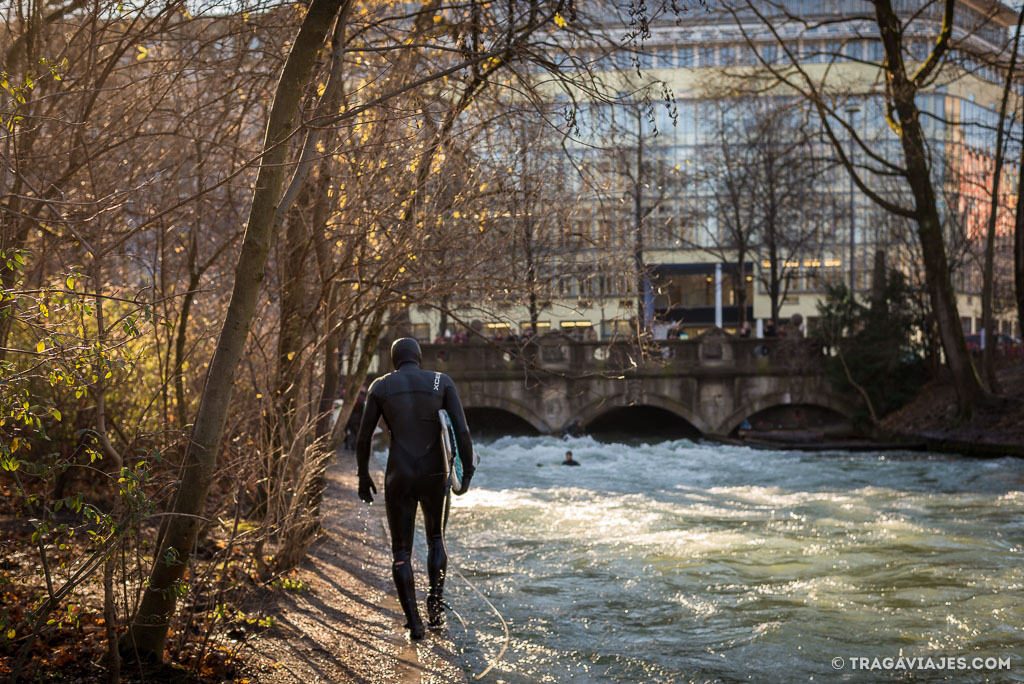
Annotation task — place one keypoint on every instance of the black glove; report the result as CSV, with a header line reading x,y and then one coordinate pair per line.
x,y
365,487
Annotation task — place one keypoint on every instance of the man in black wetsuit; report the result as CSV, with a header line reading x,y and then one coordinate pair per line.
x,y
409,399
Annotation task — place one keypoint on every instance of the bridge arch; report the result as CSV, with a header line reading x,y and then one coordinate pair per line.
x,y
595,409
814,399
510,406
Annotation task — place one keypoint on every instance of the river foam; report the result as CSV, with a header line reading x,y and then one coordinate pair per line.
x,y
688,561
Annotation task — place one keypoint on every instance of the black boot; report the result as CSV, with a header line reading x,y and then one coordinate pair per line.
x,y
401,571
435,611
437,566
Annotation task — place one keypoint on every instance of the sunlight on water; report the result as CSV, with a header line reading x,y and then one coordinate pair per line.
x,y
679,562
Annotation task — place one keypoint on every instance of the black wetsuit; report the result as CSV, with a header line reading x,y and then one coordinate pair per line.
x,y
409,399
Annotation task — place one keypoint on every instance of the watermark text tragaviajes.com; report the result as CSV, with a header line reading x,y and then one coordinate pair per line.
x,y
916,663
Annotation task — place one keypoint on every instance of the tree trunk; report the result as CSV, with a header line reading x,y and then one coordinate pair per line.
x,y
13,236
531,277
879,279
638,237
292,323
740,287
988,357
332,330
113,658
148,633
442,324
774,288
929,228
332,377
1018,249
357,377
179,350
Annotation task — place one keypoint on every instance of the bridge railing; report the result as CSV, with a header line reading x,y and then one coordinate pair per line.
x,y
708,354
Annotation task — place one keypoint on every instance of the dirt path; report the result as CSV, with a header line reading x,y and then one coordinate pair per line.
x,y
346,625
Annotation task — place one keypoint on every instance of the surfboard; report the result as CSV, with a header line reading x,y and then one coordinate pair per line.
x,y
452,462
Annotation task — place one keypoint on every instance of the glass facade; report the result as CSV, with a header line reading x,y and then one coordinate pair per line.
x,y
642,169
659,159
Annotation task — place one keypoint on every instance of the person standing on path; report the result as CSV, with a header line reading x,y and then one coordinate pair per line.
x,y
409,399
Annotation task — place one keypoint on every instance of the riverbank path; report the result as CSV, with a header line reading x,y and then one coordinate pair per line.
x,y
346,625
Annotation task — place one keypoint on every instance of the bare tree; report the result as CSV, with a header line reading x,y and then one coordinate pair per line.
x,y
988,275
769,194
148,633
904,78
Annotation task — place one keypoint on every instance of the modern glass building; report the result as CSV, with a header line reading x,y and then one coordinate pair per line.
x,y
670,175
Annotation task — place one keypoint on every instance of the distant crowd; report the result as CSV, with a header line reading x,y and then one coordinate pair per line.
x,y
582,334
792,327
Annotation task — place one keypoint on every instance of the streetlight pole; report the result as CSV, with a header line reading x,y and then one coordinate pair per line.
x,y
852,110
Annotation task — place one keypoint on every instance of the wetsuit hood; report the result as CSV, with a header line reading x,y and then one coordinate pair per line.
x,y
406,350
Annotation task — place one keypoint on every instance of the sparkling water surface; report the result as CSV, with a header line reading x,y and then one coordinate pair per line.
x,y
683,561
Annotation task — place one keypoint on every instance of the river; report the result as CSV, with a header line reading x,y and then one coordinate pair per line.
x,y
682,561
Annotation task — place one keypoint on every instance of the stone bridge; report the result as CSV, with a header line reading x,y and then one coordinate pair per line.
x,y
713,382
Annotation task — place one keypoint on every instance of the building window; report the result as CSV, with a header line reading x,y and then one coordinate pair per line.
x,y
814,52
921,50
610,329
497,330
542,327
579,330
694,290
421,331
875,51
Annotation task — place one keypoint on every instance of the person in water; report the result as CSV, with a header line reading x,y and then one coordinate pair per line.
x,y
569,460
409,399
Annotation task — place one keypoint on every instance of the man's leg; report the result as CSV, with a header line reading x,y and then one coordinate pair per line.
x,y
437,556
402,521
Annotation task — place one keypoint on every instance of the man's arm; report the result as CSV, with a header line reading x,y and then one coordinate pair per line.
x,y
462,437
371,414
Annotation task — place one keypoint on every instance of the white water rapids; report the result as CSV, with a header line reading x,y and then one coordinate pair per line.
x,y
682,561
